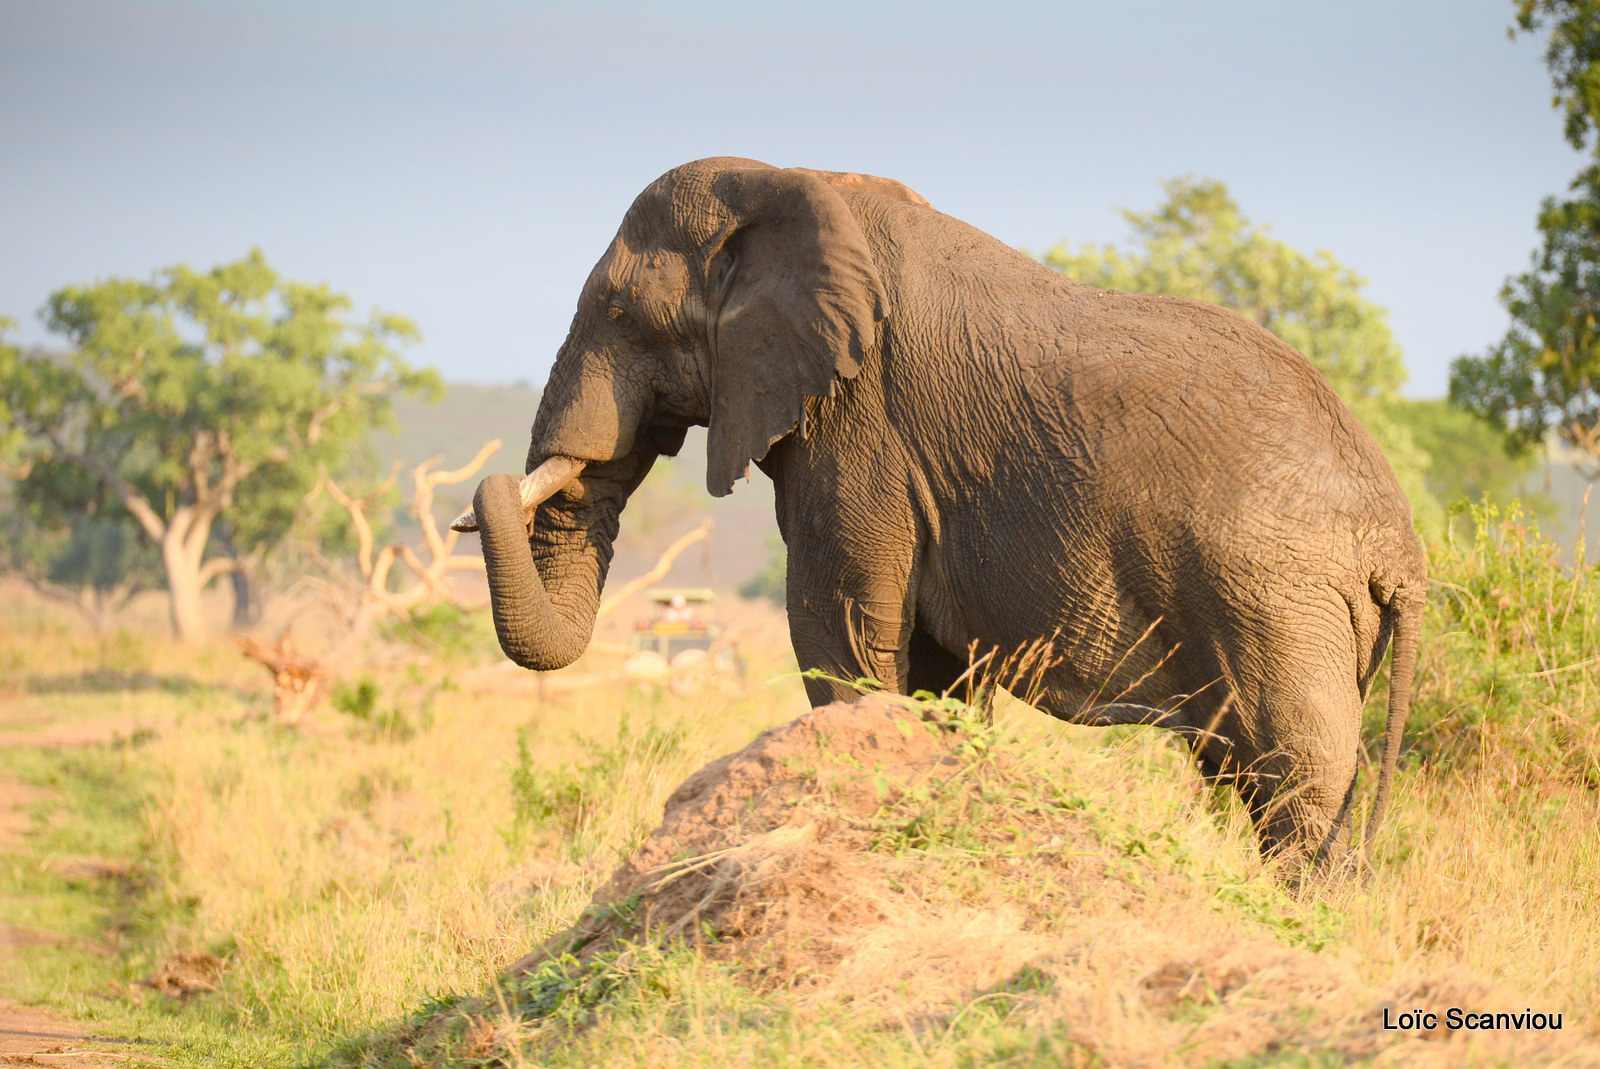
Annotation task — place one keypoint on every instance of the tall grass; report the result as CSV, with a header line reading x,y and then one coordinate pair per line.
x,y
380,864
1491,860
1511,666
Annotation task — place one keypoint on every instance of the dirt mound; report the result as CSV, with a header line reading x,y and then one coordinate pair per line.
x,y
872,860
759,845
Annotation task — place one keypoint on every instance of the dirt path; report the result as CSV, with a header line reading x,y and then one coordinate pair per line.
x,y
30,1035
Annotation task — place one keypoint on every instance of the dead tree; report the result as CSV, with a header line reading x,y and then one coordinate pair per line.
x,y
300,682
374,599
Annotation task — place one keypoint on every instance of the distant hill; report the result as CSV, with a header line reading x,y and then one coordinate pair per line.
x,y
465,418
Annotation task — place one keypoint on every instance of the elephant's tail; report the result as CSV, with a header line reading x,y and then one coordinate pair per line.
x,y
1405,611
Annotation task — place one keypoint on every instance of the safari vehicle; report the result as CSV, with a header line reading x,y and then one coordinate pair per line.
x,y
683,630
683,620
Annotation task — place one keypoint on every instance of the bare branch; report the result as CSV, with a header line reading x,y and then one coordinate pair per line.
x,y
466,471
1587,439
361,608
357,508
430,576
218,566
426,482
95,605
663,566
318,417
299,682
328,411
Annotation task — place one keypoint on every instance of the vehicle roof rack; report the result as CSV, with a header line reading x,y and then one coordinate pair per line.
x,y
663,595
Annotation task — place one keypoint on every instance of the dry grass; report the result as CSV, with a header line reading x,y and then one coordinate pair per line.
x,y
376,870
863,887
1075,896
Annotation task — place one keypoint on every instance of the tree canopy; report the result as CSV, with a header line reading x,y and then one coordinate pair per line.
x,y
1572,55
1541,378
200,403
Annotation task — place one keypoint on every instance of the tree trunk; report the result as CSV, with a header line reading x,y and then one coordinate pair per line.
x,y
246,609
183,591
183,546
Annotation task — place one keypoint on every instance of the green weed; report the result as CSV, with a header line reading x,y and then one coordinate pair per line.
x,y
400,720
1508,668
570,800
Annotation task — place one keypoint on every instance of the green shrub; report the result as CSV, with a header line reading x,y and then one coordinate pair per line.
x,y
1508,665
358,699
400,721
441,628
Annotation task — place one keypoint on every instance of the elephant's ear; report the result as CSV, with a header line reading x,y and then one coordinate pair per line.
x,y
795,300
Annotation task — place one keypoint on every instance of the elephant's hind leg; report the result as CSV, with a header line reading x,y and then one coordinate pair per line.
x,y
1295,761
931,668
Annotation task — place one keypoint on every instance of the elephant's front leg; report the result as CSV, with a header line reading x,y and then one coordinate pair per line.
x,y
854,635
851,597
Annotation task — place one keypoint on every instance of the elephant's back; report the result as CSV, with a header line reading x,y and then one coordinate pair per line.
x,y
1216,415
1197,397
1152,424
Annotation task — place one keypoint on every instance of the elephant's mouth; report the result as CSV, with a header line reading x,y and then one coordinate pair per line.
x,y
535,488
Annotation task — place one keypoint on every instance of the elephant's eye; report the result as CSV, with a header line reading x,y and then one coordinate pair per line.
x,y
616,312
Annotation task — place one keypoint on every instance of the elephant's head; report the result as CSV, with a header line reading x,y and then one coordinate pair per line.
x,y
732,291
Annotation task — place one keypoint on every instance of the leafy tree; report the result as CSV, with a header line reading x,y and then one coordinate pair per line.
x,y
1572,55
1542,377
12,438
201,404
1199,244
95,564
1468,461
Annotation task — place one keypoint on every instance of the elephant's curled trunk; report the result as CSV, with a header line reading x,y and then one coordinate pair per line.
x,y
539,628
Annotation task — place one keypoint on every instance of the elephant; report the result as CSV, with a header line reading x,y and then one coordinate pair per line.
x,y
972,452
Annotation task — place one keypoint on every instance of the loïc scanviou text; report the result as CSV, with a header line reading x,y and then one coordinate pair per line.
x,y
1455,1019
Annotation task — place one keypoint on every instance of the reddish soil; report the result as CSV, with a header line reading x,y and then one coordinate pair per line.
x,y
30,1036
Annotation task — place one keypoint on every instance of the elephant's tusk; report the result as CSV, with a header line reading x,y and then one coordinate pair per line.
x,y
536,487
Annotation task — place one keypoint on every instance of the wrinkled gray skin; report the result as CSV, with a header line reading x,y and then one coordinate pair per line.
x,y
970,448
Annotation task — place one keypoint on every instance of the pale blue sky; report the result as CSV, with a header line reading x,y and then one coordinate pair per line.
x,y
465,164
